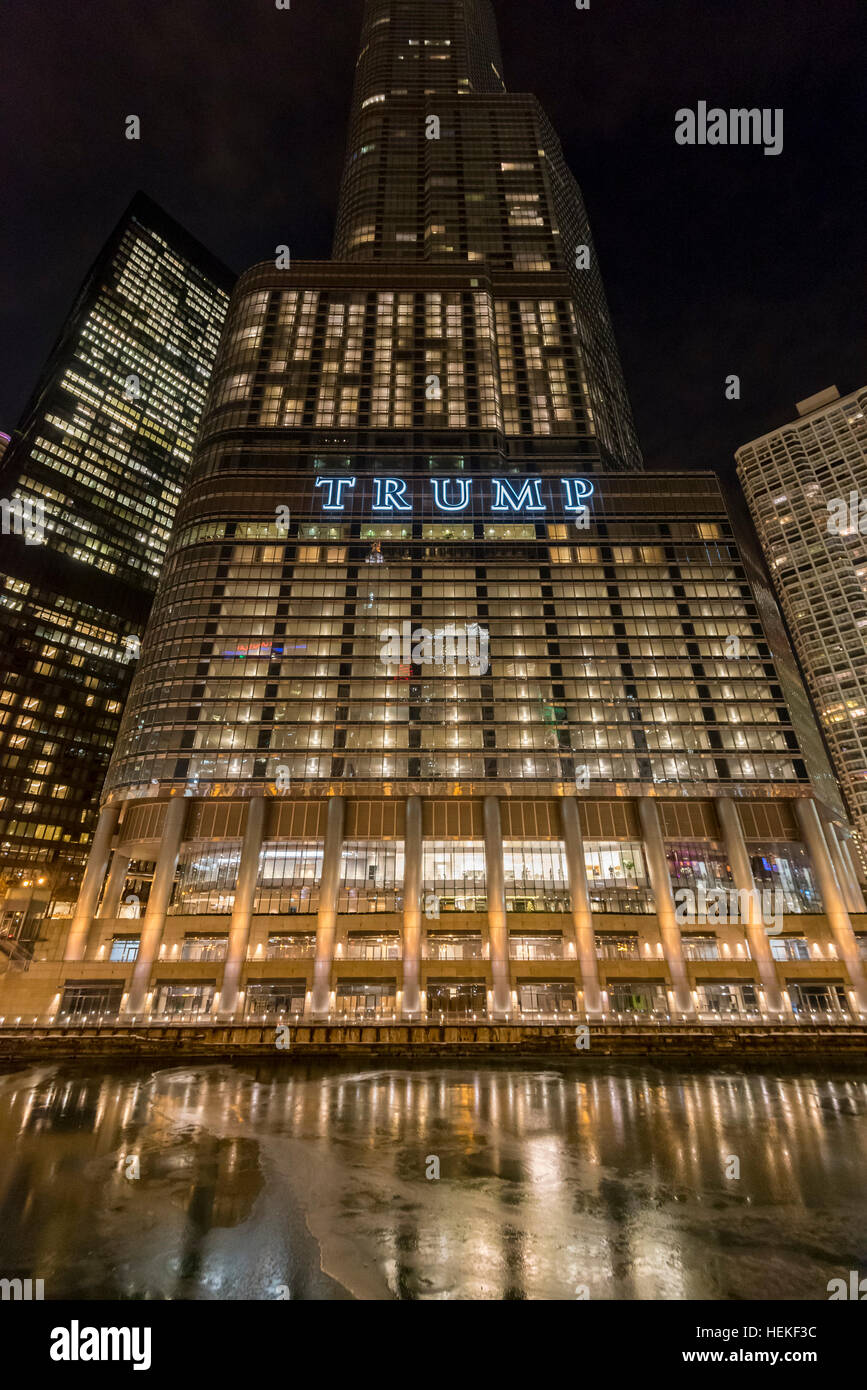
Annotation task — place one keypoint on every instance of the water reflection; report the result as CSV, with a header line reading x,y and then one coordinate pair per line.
x,y
233,1182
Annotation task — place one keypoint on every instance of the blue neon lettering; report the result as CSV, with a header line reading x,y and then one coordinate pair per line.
x,y
440,489
577,491
455,494
334,484
390,495
517,501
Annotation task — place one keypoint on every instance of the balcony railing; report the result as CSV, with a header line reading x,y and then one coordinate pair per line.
x,y
468,950
610,950
536,950
627,901
257,1012
693,951
704,1017
204,951
288,950
386,1013
516,901
456,1016
373,951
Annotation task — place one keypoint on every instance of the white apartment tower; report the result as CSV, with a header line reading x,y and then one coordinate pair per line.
x,y
806,485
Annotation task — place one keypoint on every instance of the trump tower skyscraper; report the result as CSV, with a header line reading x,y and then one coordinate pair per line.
x,y
447,710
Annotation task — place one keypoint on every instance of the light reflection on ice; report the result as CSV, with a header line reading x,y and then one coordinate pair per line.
x,y
609,1176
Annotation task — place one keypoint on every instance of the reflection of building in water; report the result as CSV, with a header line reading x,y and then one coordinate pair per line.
x,y
202,1182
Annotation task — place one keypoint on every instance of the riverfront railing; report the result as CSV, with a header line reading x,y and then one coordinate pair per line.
x,y
390,1017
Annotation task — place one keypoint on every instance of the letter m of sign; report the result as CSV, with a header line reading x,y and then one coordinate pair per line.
x,y
507,499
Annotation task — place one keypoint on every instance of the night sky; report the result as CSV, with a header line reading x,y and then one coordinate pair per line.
x,y
716,260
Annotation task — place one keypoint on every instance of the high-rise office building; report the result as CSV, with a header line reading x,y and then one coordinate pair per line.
x,y
806,485
90,483
445,709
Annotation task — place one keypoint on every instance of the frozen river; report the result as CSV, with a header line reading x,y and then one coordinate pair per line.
x,y
480,1181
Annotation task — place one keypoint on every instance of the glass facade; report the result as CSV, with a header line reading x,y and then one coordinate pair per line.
x,y
697,864
184,999
643,998
446,170
546,998
456,999
205,880
289,876
697,947
724,1000
612,945
101,453
454,877
124,949
607,661
617,877
291,946
372,877
786,869
536,946
203,947
268,999
366,999
454,946
536,877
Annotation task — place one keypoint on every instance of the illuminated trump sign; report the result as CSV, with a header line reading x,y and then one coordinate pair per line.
x,y
452,496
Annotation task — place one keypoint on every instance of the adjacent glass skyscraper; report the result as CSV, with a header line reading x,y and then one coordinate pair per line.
x,y
90,483
442,699
806,485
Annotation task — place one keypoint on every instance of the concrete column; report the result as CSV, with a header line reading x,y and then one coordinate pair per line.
x,y
660,882
94,876
110,901
498,927
111,898
739,859
242,912
329,896
848,882
582,917
832,896
412,893
154,920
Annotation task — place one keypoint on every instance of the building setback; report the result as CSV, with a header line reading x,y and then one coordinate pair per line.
x,y
90,483
806,485
427,441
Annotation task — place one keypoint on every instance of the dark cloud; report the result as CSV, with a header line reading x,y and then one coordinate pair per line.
x,y
716,261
